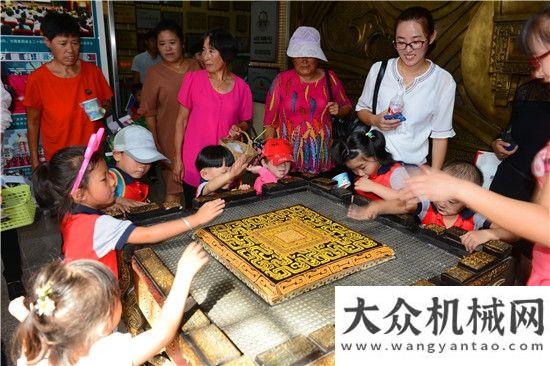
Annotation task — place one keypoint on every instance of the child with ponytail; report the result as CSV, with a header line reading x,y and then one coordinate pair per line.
x,y
77,185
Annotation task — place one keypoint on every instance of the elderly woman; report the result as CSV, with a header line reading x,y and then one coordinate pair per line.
x,y
159,102
214,103
55,90
298,107
428,92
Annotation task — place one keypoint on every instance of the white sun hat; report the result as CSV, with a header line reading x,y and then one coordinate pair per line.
x,y
305,42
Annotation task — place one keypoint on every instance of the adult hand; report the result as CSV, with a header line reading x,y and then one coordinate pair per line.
x,y
385,124
499,147
178,171
209,211
34,163
432,185
234,132
472,239
192,260
333,108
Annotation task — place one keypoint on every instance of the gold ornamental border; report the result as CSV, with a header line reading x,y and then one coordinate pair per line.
x,y
273,291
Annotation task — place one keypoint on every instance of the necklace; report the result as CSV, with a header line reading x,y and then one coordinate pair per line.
x,y
222,81
176,67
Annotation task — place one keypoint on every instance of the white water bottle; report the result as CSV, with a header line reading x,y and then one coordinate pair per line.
x,y
396,104
395,111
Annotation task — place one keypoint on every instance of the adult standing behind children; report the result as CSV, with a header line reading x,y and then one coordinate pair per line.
x,y
299,107
159,101
214,103
143,61
427,90
55,90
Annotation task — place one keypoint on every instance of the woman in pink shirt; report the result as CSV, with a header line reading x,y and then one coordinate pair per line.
x,y
214,103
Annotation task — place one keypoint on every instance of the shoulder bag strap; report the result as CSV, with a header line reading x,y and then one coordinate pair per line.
x,y
379,78
327,79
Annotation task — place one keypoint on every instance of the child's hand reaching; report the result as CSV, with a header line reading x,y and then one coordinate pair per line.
x,y
364,184
209,211
192,259
368,212
473,239
255,169
125,204
243,187
239,166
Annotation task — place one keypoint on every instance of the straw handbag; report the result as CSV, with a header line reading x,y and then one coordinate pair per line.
x,y
238,148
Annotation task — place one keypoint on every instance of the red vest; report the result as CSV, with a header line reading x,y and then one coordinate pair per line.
x,y
465,219
127,187
383,177
77,231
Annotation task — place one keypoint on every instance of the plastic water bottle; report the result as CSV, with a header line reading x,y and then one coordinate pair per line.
x,y
396,104
395,111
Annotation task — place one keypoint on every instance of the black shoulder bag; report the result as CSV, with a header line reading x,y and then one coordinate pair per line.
x,y
341,126
344,126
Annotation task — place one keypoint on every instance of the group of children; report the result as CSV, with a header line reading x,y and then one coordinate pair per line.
x,y
48,313
77,184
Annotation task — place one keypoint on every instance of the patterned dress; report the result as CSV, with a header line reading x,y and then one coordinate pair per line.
x,y
296,110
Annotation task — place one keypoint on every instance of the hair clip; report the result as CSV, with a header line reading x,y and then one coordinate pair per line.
x,y
93,145
369,134
44,304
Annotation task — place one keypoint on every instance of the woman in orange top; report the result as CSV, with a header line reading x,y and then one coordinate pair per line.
x,y
55,90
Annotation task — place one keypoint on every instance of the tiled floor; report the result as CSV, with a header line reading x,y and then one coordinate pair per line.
x,y
40,244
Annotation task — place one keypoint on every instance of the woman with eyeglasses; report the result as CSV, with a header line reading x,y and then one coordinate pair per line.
x,y
428,92
528,220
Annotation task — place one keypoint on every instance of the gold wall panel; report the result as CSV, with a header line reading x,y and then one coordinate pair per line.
x,y
476,43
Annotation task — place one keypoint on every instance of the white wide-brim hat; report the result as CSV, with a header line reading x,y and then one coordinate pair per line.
x,y
306,42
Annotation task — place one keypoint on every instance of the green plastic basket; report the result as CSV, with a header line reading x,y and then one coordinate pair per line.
x,y
18,207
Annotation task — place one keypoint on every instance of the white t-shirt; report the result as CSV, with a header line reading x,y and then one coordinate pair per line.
x,y
113,349
428,108
142,62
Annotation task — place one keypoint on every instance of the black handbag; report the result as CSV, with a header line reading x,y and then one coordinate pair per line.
x,y
341,126
345,126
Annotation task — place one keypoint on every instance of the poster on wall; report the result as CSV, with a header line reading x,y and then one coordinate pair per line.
x,y
23,51
264,31
260,80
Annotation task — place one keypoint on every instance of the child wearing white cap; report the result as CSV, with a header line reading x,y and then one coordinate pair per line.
x,y
134,150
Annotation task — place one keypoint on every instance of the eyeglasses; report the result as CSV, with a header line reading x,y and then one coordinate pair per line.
x,y
536,61
93,145
415,45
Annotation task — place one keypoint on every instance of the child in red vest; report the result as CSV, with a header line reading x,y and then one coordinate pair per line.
x,y
133,150
276,162
453,212
77,185
378,175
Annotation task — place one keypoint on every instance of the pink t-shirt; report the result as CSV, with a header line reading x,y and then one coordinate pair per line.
x,y
211,115
540,274
265,176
